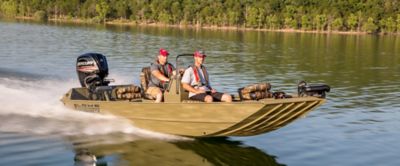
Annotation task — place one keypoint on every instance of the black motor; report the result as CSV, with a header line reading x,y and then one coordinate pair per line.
x,y
92,68
317,90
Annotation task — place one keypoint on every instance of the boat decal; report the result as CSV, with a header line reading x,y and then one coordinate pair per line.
x,y
95,108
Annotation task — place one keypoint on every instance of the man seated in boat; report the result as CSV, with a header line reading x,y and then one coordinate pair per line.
x,y
195,80
161,72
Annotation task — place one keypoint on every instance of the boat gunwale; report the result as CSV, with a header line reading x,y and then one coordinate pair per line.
x,y
235,102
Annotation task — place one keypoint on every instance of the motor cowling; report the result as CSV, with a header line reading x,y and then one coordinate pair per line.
x,y
92,69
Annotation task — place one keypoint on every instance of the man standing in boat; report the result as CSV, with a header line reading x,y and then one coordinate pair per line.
x,y
196,81
161,72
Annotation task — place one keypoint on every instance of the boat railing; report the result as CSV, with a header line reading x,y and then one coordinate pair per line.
x,y
178,76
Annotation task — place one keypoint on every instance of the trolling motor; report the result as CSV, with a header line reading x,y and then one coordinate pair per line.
x,y
317,90
92,68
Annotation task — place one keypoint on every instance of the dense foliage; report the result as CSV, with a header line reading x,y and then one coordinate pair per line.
x,y
320,15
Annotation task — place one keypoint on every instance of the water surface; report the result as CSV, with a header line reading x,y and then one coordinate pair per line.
x,y
359,124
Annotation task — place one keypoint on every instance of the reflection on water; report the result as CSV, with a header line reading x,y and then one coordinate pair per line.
x,y
210,151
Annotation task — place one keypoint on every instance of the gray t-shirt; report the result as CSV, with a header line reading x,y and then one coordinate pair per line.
x,y
190,78
154,81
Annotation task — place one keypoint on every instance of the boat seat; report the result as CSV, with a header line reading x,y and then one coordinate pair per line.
x,y
127,92
255,91
144,82
145,78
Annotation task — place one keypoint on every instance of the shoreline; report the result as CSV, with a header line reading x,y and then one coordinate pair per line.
x,y
123,22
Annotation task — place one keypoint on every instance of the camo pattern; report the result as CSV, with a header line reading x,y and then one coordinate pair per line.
x,y
128,92
255,91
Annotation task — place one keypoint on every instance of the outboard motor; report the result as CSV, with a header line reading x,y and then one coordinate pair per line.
x,y
92,68
317,90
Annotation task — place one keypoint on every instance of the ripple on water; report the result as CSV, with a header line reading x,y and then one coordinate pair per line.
x,y
358,125
22,149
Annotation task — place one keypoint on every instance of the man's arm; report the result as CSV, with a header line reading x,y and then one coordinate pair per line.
x,y
189,88
158,75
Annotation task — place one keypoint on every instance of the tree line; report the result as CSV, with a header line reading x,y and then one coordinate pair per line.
x,y
318,15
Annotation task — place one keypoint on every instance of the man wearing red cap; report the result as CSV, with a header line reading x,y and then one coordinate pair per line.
x,y
161,72
195,80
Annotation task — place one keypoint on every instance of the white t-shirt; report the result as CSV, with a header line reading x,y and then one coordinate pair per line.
x,y
190,78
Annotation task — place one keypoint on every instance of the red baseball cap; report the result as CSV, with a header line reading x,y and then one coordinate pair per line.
x,y
163,52
199,54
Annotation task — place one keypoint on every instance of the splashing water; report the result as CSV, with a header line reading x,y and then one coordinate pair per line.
x,y
32,105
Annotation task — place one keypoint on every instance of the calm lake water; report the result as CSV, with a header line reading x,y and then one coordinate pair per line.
x,y
359,124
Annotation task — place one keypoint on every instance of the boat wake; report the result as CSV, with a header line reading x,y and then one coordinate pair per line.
x,y
31,104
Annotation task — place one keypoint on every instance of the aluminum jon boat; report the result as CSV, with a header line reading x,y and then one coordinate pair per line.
x,y
180,116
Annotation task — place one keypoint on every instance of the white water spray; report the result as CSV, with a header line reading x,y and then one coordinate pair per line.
x,y
33,106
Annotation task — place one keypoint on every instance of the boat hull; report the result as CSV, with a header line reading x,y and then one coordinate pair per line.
x,y
197,119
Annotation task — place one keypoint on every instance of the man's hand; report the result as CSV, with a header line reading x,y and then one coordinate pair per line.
x,y
200,90
189,88
160,76
166,79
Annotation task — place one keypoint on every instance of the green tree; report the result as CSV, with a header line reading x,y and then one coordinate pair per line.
x,y
290,23
102,9
62,8
305,23
398,23
146,14
21,9
337,24
390,25
352,22
370,26
320,22
122,8
252,17
290,11
359,19
134,8
40,15
233,18
272,22
155,9
164,17
9,8
89,9
189,11
205,15
261,17
382,26
176,12
305,14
